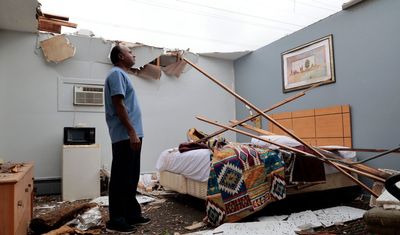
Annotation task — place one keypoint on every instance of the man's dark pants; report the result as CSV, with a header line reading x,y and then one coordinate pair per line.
x,y
125,171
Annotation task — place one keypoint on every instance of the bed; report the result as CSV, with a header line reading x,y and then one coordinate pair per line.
x,y
188,172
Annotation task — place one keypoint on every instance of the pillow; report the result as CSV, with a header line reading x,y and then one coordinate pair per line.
x,y
352,155
279,139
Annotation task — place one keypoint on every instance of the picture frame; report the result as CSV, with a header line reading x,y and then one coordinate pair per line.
x,y
308,64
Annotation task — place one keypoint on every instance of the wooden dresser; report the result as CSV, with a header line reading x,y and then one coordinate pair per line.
x,y
16,195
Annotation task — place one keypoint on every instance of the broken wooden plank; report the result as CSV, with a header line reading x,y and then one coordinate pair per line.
x,y
47,15
49,27
57,22
253,128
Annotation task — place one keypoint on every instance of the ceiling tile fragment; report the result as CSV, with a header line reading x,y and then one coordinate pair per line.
x,y
57,49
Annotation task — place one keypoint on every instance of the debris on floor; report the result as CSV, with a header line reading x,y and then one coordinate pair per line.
x,y
80,216
338,215
292,224
89,219
59,216
170,215
388,201
195,226
174,213
103,200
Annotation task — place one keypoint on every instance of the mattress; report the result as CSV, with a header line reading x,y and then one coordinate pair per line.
x,y
181,184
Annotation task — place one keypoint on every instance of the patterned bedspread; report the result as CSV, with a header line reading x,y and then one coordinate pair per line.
x,y
243,180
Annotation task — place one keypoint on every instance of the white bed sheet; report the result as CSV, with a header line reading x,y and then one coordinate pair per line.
x,y
194,164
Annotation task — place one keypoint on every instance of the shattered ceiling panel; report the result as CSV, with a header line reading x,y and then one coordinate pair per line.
x,y
57,49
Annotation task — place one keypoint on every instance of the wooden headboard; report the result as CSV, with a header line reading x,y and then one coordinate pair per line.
x,y
318,127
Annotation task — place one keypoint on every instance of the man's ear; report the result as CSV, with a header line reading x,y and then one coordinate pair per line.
x,y
120,56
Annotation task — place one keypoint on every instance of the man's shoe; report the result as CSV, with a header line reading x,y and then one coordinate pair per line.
x,y
139,221
119,226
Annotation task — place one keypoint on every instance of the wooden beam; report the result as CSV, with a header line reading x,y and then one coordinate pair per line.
x,y
253,128
57,22
47,15
350,3
49,27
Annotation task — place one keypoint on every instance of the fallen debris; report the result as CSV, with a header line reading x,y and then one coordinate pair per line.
x,y
388,201
255,228
10,167
56,218
174,214
103,200
305,219
338,214
297,223
195,226
89,219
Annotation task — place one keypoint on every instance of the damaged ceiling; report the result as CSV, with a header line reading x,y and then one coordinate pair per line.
x,y
231,28
203,26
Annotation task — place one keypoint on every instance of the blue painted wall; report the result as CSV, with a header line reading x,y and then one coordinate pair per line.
x,y
366,43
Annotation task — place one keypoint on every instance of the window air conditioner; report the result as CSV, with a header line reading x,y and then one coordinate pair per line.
x,y
89,95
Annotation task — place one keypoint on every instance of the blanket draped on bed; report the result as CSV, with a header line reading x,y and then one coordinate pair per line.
x,y
243,180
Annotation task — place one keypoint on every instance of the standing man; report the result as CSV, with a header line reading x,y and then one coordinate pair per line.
x,y
124,121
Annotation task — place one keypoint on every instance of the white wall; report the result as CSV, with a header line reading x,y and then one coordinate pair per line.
x,y
31,127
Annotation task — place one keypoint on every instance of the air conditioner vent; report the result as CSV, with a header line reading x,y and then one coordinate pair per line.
x,y
88,95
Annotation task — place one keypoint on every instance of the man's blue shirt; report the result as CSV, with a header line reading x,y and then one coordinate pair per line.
x,y
118,83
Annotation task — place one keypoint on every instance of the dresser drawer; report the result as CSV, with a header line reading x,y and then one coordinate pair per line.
x,y
23,201
16,194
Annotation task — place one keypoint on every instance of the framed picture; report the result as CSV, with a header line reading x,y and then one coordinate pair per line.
x,y
308,64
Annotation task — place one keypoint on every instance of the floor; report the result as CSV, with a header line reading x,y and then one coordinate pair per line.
x,y
173,213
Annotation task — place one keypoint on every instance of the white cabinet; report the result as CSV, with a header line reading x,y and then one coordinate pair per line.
x,y
81,172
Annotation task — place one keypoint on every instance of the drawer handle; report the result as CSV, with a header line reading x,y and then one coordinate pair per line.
x,y
19,203
26,190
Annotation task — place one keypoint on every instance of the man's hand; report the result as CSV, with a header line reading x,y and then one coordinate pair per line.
x,y
136,144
